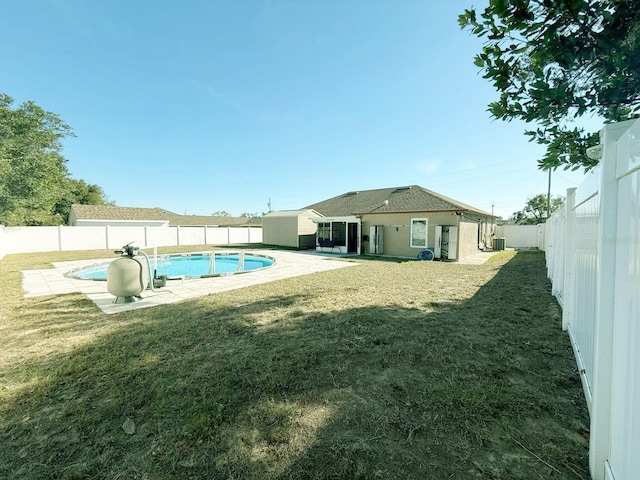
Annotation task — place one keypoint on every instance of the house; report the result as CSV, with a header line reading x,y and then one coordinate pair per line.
x,y
290,228
100,215
401,221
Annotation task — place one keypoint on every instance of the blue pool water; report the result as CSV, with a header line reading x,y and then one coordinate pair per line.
x,y
189,266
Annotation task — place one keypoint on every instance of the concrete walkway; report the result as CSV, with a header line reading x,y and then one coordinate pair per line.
x,y
478,258
53,281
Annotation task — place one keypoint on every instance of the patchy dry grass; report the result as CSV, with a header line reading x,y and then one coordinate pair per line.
x,y
391,369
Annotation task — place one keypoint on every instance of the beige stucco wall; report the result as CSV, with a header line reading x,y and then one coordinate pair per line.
x,y
281,231
397,232
285,230
467,238
306,226
487,232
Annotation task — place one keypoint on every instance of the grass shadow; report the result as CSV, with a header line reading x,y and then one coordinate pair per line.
x,y
384,371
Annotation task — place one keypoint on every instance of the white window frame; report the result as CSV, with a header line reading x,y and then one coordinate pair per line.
x,y
426,232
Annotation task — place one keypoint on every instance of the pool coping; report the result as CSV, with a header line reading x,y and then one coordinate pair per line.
x,y
105,262
52,281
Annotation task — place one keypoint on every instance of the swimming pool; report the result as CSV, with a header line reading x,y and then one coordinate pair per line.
x,y
191,265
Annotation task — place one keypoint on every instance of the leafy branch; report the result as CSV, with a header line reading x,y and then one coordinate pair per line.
x,y
554,61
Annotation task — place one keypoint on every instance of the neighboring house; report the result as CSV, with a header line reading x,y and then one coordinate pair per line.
x,y
100,215
290,228
401,221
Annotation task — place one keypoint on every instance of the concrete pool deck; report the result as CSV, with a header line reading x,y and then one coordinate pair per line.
x,y
52,281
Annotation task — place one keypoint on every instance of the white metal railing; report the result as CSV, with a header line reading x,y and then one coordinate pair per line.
x,y
593,261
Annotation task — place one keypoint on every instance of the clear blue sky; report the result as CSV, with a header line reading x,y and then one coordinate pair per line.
x,y
200,106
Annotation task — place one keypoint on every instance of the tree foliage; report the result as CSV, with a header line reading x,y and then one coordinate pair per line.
x,y
251,215
35,187
555,60
535,210
79,192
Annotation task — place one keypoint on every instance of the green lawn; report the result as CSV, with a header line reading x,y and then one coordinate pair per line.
x,y
390,370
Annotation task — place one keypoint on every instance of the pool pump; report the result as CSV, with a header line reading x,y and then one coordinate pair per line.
x,y
127,276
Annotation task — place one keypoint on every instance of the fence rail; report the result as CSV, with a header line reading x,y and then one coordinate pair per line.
x,y
65,238
593,261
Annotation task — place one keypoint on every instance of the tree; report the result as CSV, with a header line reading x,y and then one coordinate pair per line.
x,y
35,188
250,215
535,210
79,192
553,61
221,213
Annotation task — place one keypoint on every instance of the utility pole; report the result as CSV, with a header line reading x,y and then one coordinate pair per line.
x,y
269,204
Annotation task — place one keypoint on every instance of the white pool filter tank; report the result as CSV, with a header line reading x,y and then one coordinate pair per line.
x,y
127,277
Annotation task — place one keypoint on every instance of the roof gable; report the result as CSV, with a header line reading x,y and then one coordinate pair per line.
x,y
411,198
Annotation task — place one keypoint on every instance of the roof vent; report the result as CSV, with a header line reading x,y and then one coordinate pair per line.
x,y
401,189
350,194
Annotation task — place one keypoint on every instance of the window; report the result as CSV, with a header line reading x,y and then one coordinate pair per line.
x,y
335,231
324,231
419,227
339,233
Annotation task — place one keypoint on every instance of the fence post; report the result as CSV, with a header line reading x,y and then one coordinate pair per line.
x,y
569,259
547,247
3,246
542,228
558,259
547,238
600,435
59,238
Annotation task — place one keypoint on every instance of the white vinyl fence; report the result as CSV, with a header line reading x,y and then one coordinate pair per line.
x,y
63,238
522,236
593,261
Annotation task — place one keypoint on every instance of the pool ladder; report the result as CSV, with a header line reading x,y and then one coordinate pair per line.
x,y
240,267
212,263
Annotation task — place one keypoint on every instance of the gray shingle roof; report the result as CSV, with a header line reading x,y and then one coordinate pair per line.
x,y
112,212
186,220
411,198
291,213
